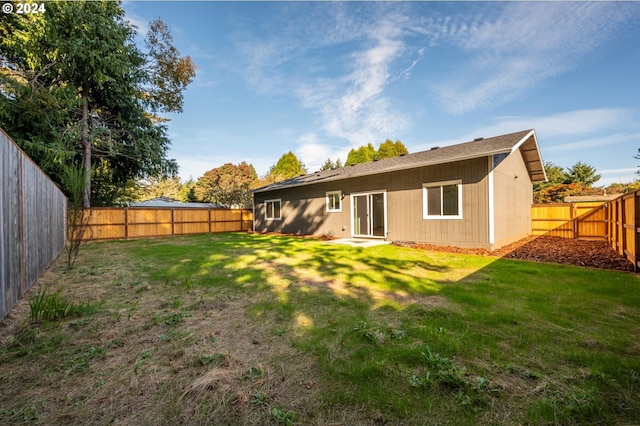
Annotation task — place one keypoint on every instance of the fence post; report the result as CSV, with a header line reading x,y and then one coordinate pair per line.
x,y
574,220
636,230
126,223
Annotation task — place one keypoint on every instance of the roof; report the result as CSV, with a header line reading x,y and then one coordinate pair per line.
x,y
588,198
525,141
171,203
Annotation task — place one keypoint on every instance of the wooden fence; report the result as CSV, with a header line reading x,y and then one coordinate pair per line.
x,y
33,219
581,221
616,221
623,226
140,222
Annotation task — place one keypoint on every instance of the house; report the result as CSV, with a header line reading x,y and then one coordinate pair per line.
x,y
476,194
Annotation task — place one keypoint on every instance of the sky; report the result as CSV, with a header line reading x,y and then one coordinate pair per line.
x,y
320,78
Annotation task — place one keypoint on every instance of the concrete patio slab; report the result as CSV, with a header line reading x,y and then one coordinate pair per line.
x,y
358,242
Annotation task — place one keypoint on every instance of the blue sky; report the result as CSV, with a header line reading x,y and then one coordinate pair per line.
x,y
319,78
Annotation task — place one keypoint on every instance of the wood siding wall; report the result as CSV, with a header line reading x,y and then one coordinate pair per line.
x,y
513,196
304,208
140,222
33,217
584,221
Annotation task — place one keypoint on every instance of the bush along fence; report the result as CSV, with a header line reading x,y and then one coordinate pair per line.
x,y
141,222
33,217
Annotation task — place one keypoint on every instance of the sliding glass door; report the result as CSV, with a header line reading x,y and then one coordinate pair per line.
x,y
369,214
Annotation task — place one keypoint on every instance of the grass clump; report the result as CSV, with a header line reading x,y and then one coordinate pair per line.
x,y
53,307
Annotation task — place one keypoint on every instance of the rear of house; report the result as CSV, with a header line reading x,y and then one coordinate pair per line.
x,y
475,194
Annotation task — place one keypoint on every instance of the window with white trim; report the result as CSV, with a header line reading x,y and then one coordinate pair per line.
x,y
442,200
334,201
273,208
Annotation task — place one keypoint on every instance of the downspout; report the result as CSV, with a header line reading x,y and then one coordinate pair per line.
x,y
492,236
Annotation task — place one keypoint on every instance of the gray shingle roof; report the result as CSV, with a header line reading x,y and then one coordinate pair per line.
x,y
525,141
171,203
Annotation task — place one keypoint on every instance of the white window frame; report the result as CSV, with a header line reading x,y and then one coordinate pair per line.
x,y
425,199
328,201
266,209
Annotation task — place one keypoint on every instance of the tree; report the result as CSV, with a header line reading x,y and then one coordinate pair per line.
x,y
367,153
555,175
582,174
227,185
288,166
330,165
97,93
363,154
155,187
389,149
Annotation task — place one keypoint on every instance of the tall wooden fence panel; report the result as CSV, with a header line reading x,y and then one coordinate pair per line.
x,y
623,226
33,217
583,221
140,222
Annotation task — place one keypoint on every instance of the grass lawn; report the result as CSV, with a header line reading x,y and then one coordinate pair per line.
x,y
253,329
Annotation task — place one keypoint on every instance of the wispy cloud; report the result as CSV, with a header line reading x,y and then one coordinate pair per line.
x,y
523,45
571,123
348,92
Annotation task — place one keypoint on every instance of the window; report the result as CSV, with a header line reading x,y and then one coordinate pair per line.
x,y
334,201
497,158
273,209
442,200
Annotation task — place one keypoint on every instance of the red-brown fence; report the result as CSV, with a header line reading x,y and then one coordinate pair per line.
x,y
140,222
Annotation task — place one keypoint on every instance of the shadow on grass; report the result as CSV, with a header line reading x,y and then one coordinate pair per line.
x,y
377,317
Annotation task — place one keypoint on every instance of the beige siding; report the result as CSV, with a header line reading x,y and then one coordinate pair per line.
x,y
513,197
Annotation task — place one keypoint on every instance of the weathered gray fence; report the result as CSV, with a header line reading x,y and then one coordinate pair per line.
x,y
33,217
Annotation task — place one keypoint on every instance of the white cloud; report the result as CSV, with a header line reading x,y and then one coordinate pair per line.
x,y
604,141
525,44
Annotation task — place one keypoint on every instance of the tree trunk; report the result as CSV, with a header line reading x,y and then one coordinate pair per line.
x,y
86,158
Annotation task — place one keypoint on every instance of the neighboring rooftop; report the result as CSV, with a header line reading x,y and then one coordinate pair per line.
x,y
171,203
525,140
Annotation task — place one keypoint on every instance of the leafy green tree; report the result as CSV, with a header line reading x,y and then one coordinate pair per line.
x,y
582,174
188,192
367,153
555,176
389,149
363,154
158,186
227,185
288,166
96,92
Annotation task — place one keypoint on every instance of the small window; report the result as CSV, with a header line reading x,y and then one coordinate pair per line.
x,y
497,158
273,209
334,201
442,200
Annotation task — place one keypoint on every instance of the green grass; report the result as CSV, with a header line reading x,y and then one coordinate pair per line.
x,y
256,329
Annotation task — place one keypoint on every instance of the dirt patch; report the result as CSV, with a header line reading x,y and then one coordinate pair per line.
x,y
591,254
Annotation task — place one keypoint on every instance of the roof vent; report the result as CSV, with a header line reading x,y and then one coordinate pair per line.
x,y
478,139
434,147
